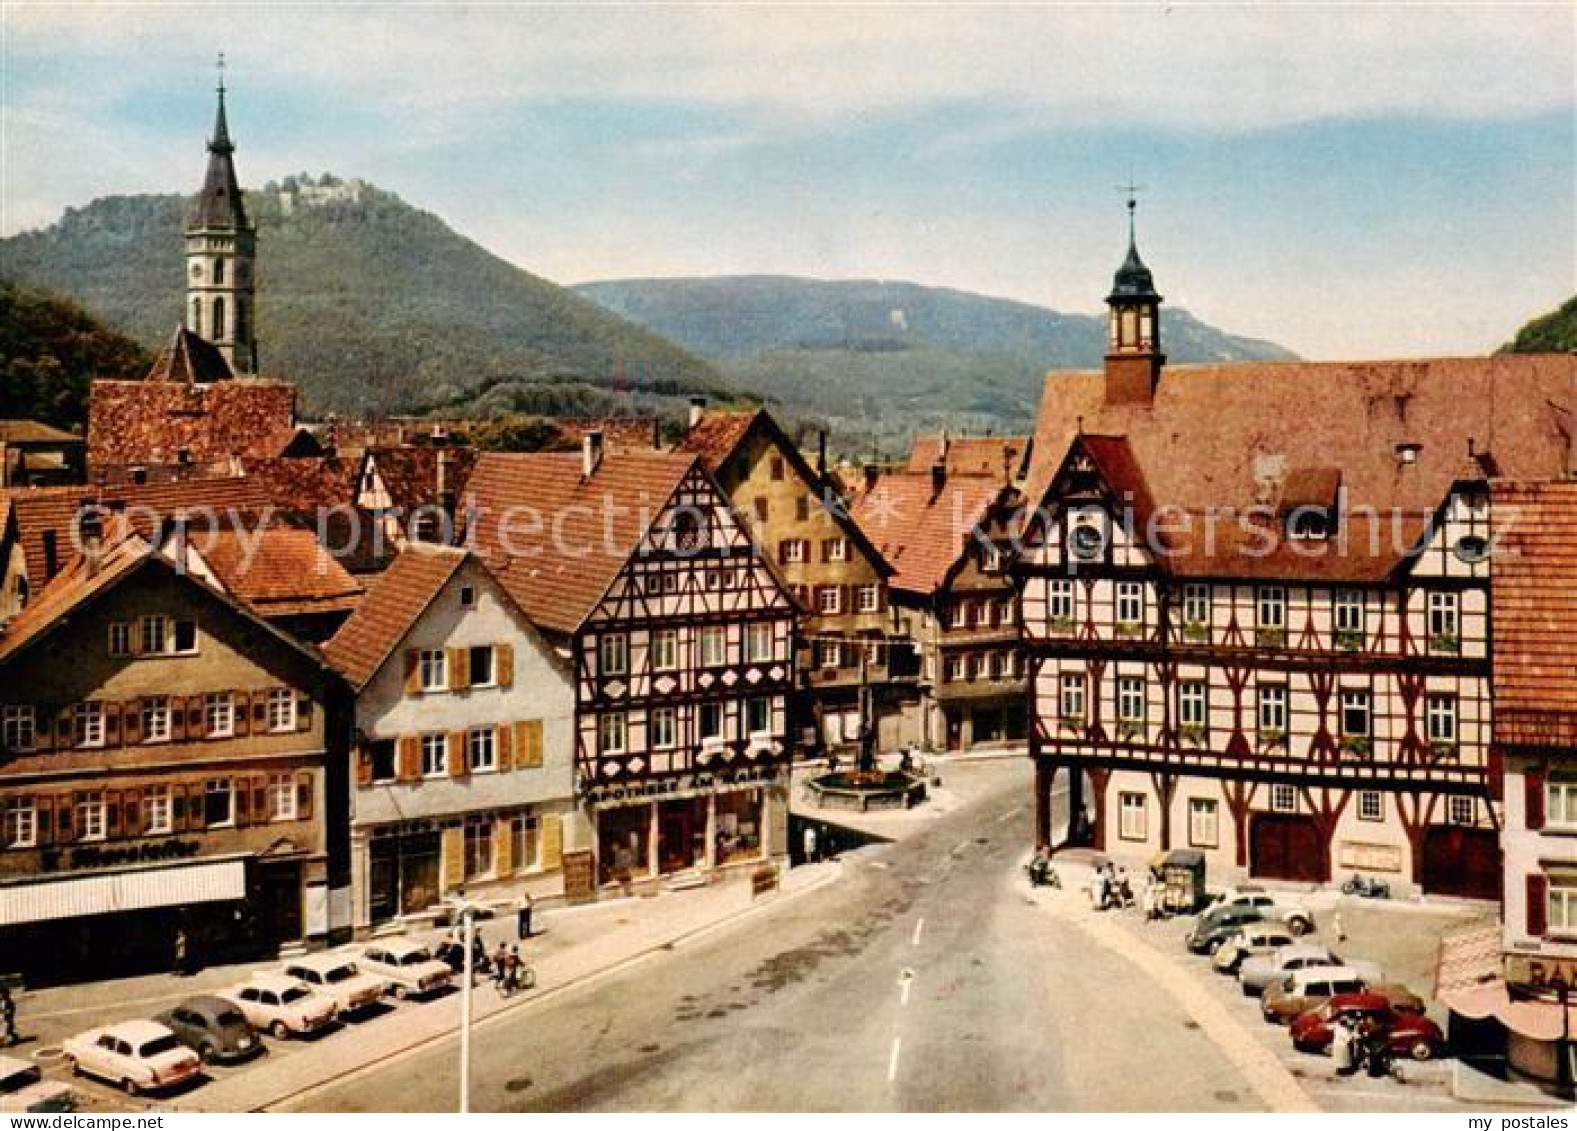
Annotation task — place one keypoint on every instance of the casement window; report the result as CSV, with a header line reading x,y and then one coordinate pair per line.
x,y
802,508
711,721
156,719
1132,816
611,731
761,507
88,722
433,669
183,637
1059,596
778,469
758,643
157,812
995,663
18,726
714,646
829,599
91,816
1283,799
835,549
1071,697
479,665
1441,713
219,803
792,551
467,597
120,638
481,749
219,714
281,797
1204,823
869,599
435,752
1271,608
1130,699
758,715
972,665
384,755
1461,810
1561,900
687,537
960,615
1560,804
1130,602
991,558
281,710
664,728
829,654
1273,708
1445,614
613,654
1371,805
478,847
525,842
1347,611
1192,700
21,823
153,635
1196,604
1356,714
955,668
665,649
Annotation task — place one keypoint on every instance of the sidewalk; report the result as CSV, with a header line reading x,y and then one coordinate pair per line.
x,y
572,946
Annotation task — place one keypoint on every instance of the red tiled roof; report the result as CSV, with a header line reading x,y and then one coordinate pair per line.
x,y
302,485
144,423
922,532
411,473
391,606
190,359
631,433
555,538
717,435
278,570
1534,612
972,455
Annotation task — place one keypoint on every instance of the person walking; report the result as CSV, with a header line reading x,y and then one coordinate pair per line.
x,y
1342,1046
523,916
808,844
500,964
8,1034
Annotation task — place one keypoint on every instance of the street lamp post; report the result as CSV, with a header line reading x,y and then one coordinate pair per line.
x,y
467,913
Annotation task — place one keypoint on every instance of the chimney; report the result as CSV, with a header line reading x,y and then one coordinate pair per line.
x,y
938,477
872,474
821,453
441,486
590,452
697,407
657,433
942,442
90,533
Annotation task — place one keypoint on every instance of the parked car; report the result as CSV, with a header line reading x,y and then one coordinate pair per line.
x,y
1299,920
212,1027
1302,990
1256,938
137,1056
1408,1034
282,1006
1260,971
1216,926
408,967
337,976
23,1088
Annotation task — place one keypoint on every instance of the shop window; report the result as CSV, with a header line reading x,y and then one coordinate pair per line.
x,y
478,848
738,825
525,842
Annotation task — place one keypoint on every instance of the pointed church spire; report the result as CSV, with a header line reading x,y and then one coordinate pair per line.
x,y
1133,346
221,249
220,143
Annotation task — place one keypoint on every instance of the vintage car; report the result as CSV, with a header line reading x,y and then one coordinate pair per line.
x,y
338,977
23,1088
1253,939
408,967
1299,920
1212,929
212,1027
137,1056
1408,1034
283,1006
1302,990
1260,971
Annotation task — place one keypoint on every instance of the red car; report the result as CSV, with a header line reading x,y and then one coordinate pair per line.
x,y
1408,1034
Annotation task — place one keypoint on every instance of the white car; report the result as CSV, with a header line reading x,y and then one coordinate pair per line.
x,y
408,967
336,976
281,1005
1297,918
1261,971
138,1056
1254,939
23,1088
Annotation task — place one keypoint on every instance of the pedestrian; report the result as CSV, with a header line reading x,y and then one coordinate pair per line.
x,y
182,958
1342,1046
808,843
1098,890
1336,926
8,1017
523,916
500,963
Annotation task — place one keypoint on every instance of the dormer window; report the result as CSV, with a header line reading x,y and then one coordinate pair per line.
x,y
1309,524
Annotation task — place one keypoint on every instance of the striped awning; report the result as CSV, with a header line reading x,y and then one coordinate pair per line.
x,y
104,894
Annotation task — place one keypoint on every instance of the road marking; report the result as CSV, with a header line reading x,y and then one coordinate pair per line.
x,y
903,995
892,1061
919,925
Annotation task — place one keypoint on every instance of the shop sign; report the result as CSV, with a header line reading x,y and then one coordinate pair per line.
x,y
1541,971
96,856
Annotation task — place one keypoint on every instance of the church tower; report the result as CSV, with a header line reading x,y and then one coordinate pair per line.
x,y
1133,340
221,250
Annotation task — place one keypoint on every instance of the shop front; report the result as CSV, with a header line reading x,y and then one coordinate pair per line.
x,y
671,835
403,870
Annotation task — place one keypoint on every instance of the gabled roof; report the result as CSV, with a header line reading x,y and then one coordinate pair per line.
x,y
392,605
921,531
1006,457
191,360
1533,612
301,485
34,432
556,538
633,433
279,570
718,435
410,473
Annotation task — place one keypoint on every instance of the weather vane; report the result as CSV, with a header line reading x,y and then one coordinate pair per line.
x,y
1131,191
221,69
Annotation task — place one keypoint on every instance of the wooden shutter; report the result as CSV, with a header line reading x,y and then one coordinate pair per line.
x,y
413,672
304,795
409,759
503,742
552,842
453,858
303,711
177,808
240,716
455,755
1538,904
363,766
112,813
259,712
241,804
459,669
196,718
112,724
177,711
131,719
43,813
65,729
528,745
65,818
1533,797
131,808
504,665
503,846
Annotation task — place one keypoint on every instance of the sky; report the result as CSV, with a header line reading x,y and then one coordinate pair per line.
x,y
1351,180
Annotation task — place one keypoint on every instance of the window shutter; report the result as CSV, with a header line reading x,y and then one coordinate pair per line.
x,y
552,842
303,711
112,813
504,661
131,806
194,718
112,724
1538,904
65,729
504,742
64,817
243,804
363,766
240,716
304,795
177,808
528,744
259,712
1495,773
453,858
177,718
410,759
456,755
783,552
413,672
459,669
131,718
45,808
1533,797
503,847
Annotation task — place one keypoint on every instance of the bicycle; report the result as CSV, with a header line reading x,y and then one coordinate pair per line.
x,y
522,977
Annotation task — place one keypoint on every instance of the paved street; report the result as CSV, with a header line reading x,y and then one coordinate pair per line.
x,y
924,980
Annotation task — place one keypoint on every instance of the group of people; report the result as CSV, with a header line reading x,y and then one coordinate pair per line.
x,y
1360,1043
1110,887
509,969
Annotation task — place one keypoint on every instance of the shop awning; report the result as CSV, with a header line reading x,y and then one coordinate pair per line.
x,y
107,893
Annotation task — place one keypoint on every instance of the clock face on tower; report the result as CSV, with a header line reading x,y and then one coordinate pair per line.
x,y
1086,541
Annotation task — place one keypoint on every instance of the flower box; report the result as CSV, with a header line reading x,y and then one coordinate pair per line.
x,y
1270,637
1350,639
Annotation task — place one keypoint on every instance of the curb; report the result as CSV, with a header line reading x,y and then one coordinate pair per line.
x,y
688,934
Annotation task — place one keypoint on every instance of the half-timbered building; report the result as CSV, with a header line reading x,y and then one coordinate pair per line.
x,y
681,640
1257,601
